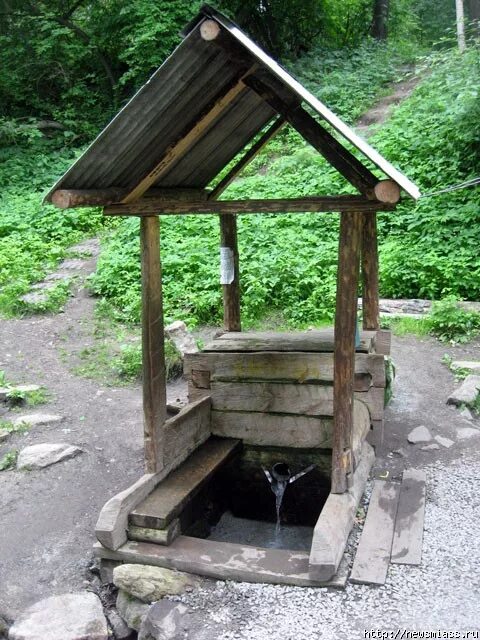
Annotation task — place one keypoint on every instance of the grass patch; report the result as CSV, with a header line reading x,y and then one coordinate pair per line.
x,y
9,460
406,326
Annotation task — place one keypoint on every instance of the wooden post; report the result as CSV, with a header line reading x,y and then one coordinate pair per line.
x,y
344,350
230,272
154,391
370,303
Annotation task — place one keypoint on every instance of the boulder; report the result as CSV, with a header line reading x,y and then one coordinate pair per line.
x,y
466,392
466,413
132,610
120,628
469,365
37,419
168,620
467,432
72,616
38,456
445,442
419,434
181,337
148,583
430,447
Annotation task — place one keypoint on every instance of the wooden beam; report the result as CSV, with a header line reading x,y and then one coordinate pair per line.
x,y
152,206
230,273
370,295
338,156
178,149
71,198
247,158
344,349
154,389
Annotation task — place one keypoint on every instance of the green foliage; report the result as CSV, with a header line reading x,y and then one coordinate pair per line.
x,y
9,460
8,427
449,322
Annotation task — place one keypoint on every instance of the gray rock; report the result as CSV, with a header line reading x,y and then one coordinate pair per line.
x,y
466,392
467,432
430,447
400,452
25,388
181,337
168,620
150,583
466,413
445,442
132,610
37,419
3,627
471,365
419,434
74,264
72,616
4,435
35,297
120,628
4,391
38,456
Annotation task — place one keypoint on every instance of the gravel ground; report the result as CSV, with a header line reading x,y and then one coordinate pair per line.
x,y
442,594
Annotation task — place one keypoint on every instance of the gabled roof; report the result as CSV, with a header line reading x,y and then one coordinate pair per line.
x,y
197,111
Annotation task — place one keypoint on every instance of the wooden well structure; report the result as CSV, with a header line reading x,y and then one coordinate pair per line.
x,y
216,95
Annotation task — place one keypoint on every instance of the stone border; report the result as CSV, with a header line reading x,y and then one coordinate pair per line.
x,y
336,520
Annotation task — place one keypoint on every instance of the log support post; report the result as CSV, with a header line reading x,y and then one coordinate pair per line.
x,y
344,354
370,296
154,389
229,272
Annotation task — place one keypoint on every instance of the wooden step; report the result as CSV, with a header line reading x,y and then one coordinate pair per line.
x,y
171,496
408,535
373,553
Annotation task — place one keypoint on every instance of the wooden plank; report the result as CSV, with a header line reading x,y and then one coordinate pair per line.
x,y
187,430
316,340
231,289
284,430
170,497
224,561
153,356
383,342
373,552
71,198
178,149
278,397
254,150
408,534
301,367
324,142
370,303
344,350
314,204
158,536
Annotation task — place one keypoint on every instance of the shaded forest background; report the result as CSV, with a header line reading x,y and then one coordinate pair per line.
x,y
66,67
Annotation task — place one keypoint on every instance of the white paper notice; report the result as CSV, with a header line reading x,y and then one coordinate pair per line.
x,y
227,265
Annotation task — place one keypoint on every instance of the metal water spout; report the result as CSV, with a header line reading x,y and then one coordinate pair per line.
x,y
279,477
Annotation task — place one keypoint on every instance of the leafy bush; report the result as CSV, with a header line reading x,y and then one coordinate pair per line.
x,y
449,322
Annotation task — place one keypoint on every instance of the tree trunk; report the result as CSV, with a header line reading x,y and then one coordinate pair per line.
x,y
460,25
380,19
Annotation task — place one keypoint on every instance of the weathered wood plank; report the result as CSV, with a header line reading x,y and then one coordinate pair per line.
x,y
153,356
286,430
158,536
344,349
313,204
170,497
373,553
224,561
302,367
230,279
273,397
370,304
408,534
316,340
383,342
187,430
